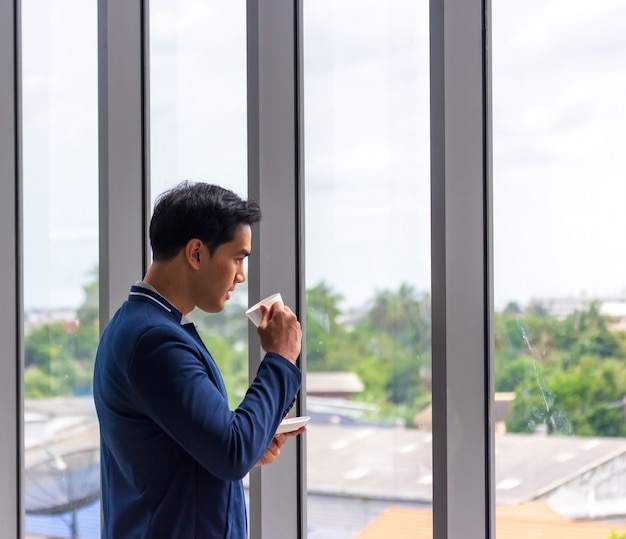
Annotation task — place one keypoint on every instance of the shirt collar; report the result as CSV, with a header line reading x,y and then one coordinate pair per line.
x,y
165,304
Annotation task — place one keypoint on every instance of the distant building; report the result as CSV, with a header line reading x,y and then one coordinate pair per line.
x,y
616,312
37,318
614,308
336,385
578,477
329,397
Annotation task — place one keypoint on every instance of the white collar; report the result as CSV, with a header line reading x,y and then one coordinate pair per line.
x,y
143,284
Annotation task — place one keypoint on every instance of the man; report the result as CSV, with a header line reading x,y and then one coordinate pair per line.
x,y
172,452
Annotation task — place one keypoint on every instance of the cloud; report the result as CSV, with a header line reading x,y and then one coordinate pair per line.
x,y
559,131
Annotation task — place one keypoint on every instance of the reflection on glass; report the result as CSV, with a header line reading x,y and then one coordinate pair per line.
x,y
198,125
368,267
60,230
560,289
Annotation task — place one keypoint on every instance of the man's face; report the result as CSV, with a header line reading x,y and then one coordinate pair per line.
x,y
220,273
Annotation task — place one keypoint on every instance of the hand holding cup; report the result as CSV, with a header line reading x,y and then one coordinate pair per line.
x,y
278,328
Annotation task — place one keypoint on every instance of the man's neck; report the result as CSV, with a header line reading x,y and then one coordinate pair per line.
x,y
165,278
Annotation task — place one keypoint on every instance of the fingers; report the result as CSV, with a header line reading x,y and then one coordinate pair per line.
x,y
268,312
280,331
279,441
264,317
271,454
273,451
276,445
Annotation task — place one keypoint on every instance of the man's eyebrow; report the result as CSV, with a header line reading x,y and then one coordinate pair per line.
x,y
244,252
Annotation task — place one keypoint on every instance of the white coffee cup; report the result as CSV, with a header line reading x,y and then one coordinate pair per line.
x,y
254,312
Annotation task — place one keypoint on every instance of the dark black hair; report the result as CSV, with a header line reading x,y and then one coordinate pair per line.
x,y
197,210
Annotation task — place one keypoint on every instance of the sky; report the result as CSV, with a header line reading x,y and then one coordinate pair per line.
x,y
559,132
559,137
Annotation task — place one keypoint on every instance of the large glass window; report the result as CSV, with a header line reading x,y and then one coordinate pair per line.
x,y
198,122
560,291
198,93
198,133
367,178
60,231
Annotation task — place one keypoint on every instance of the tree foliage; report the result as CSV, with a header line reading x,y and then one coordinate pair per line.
x,y
568,375
387,344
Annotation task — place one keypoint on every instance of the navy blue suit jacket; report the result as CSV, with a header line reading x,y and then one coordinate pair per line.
x,y
172,452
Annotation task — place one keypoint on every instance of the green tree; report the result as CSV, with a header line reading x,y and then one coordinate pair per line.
x,y
232,361
45,345
87,313
59,356
585,400
405,315
226,337
591,395
569,375
326,338
586,333
397,332
37,384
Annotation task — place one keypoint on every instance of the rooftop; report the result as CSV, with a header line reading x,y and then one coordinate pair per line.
x,y
526,521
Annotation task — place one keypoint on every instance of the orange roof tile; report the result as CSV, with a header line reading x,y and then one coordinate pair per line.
x,y
400,523
525,521
529,511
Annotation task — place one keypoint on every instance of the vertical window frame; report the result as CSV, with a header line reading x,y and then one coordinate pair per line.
x,y
275,176
462,269
123,150
11,300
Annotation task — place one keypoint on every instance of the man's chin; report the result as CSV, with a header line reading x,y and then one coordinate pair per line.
x,y
212,309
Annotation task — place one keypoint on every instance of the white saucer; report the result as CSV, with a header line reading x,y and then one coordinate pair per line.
x,y
292,423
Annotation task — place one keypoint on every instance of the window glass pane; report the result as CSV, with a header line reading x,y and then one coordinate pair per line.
x,y
198,102
367,191
198,93
560,291
198,132
60,232
198,124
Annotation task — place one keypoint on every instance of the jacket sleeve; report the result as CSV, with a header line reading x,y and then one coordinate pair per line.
x,y
172,382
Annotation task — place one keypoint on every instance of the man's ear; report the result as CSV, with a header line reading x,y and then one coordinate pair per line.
x,y
193,252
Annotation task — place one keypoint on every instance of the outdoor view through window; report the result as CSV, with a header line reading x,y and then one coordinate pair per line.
x,y
559,130
60,233
559,167
198,133
367,193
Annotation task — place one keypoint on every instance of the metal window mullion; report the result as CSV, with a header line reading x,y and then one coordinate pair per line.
x,y
463,500
11,303
277,492
123,149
